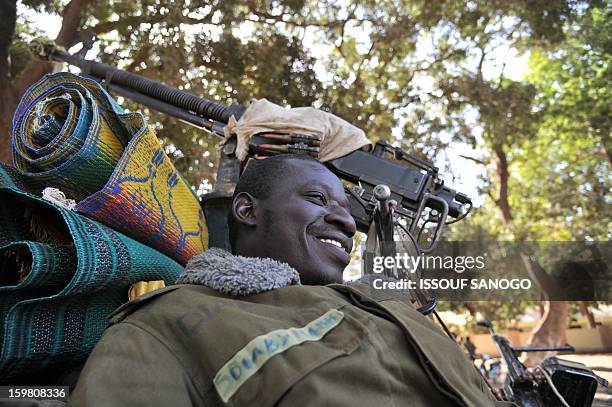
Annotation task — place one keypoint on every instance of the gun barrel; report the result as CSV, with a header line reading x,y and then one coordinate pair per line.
x,y
167,94
565,348
158,105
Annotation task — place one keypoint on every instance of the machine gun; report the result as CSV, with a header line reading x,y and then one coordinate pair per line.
x,y
553,383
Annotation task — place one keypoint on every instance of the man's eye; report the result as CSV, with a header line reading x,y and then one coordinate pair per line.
x,y
320,198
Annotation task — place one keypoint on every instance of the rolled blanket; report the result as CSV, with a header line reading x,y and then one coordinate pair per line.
x,y
61,275
70,134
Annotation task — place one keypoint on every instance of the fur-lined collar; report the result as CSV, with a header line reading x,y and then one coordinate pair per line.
x,y
236,275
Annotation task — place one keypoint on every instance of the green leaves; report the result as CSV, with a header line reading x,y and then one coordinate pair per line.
x,y
414,72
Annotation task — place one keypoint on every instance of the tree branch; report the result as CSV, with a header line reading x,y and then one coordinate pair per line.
x,y
366,57
490,195
267,18
547,283
481,63
71,22
67,36
476,160
343,28
108,26
142,55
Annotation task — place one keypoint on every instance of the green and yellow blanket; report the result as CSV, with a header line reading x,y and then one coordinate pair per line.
x,y
64,268
70,134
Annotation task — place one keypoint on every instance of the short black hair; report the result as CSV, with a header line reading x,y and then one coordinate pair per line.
x,y
259,178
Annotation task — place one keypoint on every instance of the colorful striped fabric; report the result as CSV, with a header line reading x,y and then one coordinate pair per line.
x,y
69,133
61,275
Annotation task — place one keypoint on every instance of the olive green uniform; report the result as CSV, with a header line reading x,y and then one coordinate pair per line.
x,y
173,347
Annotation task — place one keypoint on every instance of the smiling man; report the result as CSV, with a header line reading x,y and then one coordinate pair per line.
x,y
272,323
293,209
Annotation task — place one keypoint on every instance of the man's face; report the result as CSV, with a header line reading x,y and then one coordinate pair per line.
x,y
306,223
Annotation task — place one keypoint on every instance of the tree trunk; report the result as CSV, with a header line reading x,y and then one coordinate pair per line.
x,y
584,308
551,329
549,332
10,90
472,308
501,169
607,145
7,108
8,11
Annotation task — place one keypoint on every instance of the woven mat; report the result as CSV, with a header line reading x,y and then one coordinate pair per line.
x,y
61,275
69,133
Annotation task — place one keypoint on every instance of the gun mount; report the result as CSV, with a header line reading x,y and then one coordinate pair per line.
x,y
554,383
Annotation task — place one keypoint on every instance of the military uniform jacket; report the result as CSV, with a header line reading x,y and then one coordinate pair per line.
x,y
243,332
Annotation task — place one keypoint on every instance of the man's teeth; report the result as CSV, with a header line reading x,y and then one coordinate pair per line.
x,y
332,241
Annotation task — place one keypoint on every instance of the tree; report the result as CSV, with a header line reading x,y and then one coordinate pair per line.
x,y
231,49
573,84
556,180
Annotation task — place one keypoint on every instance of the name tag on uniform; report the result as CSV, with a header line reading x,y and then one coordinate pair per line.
x,y
248,360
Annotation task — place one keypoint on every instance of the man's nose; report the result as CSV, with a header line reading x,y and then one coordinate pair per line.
x,y
342,218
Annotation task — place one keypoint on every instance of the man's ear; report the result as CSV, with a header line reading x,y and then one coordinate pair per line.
x,y
243,209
